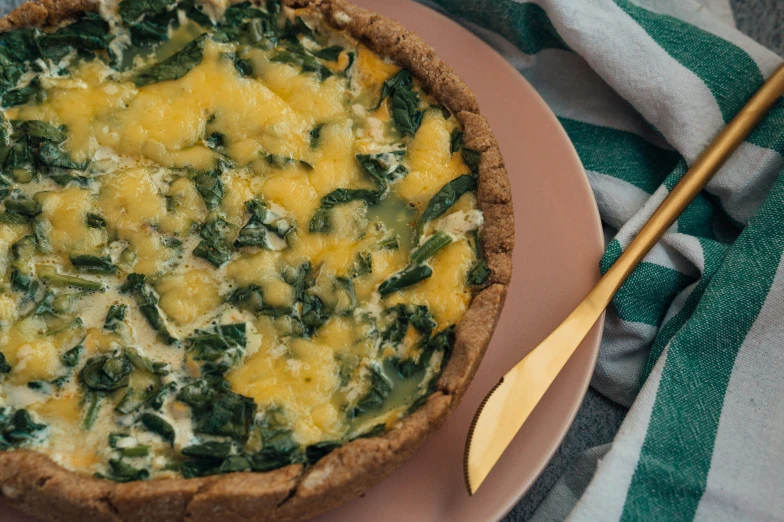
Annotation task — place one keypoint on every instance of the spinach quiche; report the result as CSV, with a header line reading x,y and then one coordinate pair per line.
x,y
251,255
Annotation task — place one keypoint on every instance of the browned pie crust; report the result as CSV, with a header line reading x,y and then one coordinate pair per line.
x,y
35,484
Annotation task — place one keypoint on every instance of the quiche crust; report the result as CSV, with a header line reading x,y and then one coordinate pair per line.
x,y
35,484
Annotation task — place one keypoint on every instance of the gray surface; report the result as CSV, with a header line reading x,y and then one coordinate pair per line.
x,y
763,20
599,419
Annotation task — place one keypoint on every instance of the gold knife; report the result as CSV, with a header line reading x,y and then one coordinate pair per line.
x,y
511,401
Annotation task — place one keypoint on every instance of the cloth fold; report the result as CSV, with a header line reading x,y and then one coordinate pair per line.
x,y
694,339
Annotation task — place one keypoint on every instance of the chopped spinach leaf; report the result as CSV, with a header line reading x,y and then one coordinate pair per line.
x,y
120,471
471,158
380,388
295,54
403,315
319,450
384,167
17,427
431,247
315,136
159,426
479,273
455,141
96,221
331,54
115,316
407,277
403,102
215,141
363,264
148,305
445,198
144,364
209,183
174,67
215,246
31,92
262,222
72,356
220,347
4,366
105,373
93,264
320,220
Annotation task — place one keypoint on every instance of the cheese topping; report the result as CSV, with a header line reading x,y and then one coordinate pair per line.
x,y
230,240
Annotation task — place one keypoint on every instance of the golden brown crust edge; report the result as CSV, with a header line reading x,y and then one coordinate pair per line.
x,y
35,484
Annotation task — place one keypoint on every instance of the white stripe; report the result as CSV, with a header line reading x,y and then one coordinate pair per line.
x,y
746,475
618,200
671,97
605,497
744,181
622,357
574,90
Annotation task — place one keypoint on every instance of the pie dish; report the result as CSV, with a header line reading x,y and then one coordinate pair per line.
x,y
302,489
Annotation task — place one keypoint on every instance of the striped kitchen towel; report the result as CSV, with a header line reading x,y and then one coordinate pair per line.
x,y
694,341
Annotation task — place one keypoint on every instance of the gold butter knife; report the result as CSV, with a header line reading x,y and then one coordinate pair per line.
x,y
511,401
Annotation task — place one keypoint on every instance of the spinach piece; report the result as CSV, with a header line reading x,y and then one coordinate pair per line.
x,y
220,347
174,67
215,141
471,158
114,316
88,34
17,428
149,20
432,246
390,243
331,54
215,246
320,220
443,342
120,471
407,277
380,388
315,136
295,54
26,208
278,445
72,356
479,273
52,277
44,306
106,374
4,366
93,403
148,305
159,426
384,167
363,264
93,264
314,314
144,364
403,102
244,67
96,221
31,92
208,450
210,185
446,197
319,450
262,222
217,410
455,141
418,316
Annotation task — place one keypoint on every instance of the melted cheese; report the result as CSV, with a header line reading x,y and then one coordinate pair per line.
x,y
147,147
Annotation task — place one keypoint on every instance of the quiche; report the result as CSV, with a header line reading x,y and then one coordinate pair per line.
x,y
250,255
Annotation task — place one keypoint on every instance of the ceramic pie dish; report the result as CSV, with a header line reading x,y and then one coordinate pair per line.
x,y
344,467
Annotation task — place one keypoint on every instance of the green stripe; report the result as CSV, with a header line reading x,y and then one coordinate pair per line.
x,y
713,253
672,470
647,294
727,70
697,219
524,24
768,133
621,154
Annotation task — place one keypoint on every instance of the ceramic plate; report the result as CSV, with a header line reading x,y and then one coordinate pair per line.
x,y
558,246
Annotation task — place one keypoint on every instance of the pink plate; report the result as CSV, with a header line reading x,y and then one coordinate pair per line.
x,y
559,243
